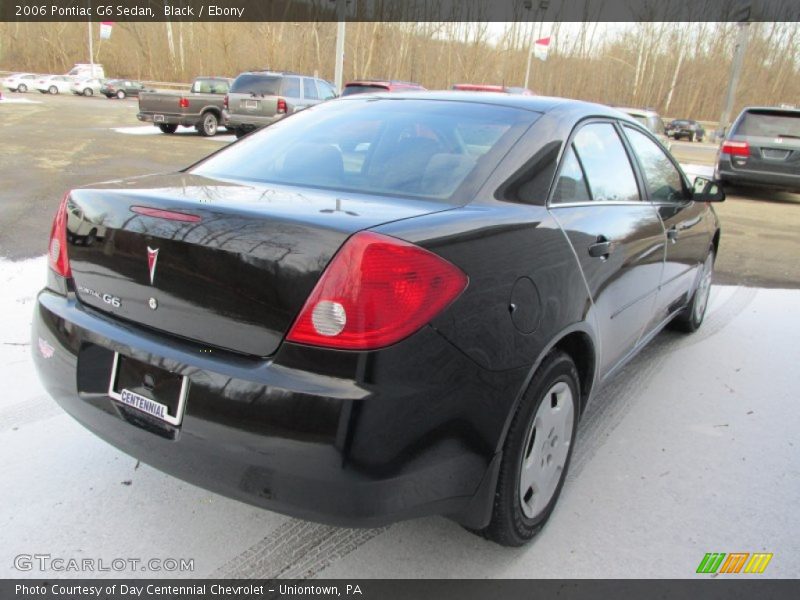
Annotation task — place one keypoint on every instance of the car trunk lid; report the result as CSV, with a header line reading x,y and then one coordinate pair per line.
x,y
221,263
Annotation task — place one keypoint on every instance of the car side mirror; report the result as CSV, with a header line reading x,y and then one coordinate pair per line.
x,y
706,190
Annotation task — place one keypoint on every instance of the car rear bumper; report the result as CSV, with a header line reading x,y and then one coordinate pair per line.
x,y
238,121
732,176
168,119
363,440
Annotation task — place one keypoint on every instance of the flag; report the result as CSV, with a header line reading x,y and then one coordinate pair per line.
x,y
540,48
105,29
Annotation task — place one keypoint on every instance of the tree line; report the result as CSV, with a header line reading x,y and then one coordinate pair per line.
x,y
679,69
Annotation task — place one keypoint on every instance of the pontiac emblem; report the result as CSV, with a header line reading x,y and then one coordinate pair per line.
x,y
152,258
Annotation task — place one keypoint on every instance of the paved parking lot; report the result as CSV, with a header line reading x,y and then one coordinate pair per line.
x,y
692,449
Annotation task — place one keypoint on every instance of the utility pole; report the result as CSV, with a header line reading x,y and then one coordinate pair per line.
x,y
91,48
341,8
742,38
542,6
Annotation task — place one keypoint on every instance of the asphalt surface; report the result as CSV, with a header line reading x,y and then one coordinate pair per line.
x,y
691,449
51,144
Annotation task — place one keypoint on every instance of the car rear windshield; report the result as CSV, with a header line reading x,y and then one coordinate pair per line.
x,y
350,90
411,148
762,123
257,84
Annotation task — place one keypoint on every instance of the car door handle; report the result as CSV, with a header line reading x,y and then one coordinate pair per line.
x,y
672,234
602,248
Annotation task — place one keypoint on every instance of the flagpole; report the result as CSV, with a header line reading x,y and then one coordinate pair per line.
x,y
91,47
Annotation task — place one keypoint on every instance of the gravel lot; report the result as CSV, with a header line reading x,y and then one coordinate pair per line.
x,y
692,449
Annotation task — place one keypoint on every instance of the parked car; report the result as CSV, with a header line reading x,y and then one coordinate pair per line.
x,y
87,86
53,84
374,86
651,120
685,128
259,98
20,82
762,148
122,88
413,327
500,89
201,108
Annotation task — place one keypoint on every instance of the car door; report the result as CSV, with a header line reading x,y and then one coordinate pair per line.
x,y
686,235
615,232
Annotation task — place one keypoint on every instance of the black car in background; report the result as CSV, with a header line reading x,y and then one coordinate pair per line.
x,y
379,308
122,88
762,148
685,128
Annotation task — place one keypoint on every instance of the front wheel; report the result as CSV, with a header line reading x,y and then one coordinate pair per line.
x,y
22,88
208,126
536,453
121,95
168,128
88,92
52,90
691,317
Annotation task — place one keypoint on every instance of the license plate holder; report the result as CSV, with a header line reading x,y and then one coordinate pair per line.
x,y
775,153
251,104
148,389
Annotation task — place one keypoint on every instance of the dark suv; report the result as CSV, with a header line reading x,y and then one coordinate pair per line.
x,y
685,128
259,98
762,148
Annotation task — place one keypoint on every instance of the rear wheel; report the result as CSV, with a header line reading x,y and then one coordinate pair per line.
x,y
536,453
88,92
121,94
691,317
22,88
53,90
239,132
208,126
167,128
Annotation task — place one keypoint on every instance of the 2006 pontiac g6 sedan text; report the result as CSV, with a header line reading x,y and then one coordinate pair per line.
x,y
378,308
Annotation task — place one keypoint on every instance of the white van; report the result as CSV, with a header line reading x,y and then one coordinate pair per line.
x,y
85,70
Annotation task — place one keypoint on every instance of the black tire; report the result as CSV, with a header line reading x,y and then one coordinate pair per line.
x,y
208,125
691,317
88,92
510,526
239,132
167,128
121,94
53,90
22,88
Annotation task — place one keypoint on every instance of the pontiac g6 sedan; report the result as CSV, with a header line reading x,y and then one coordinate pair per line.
x,y
382,307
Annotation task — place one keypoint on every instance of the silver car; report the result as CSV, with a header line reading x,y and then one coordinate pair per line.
x,y
88,86
651,120
259,98
20,82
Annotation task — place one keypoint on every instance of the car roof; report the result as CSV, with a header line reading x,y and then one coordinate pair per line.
x,y
386,82
637,111
775,109
540,104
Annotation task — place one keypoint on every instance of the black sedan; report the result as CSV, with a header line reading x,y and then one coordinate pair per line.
x,y
122,88
377,308
685,128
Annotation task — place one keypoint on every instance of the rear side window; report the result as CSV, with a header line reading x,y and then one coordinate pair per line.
x,y
310,89
664,182
769,124
210,86
256,84
605,163
291,87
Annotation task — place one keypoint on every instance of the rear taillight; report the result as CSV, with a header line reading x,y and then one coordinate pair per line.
x,y
225,101
736,148
376,291
58,259
281,106
183,103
